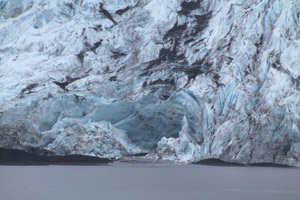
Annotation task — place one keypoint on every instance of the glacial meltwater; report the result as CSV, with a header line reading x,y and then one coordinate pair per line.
x,y
127,181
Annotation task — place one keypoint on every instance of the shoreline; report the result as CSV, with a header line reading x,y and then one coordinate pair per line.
x,y
13,157
23,158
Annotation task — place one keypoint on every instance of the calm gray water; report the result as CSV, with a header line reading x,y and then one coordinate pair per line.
x,y
124,181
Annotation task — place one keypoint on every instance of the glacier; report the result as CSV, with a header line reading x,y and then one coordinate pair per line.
x,y
180,80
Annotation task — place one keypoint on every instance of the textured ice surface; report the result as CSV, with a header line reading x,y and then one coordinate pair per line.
x,y
185,80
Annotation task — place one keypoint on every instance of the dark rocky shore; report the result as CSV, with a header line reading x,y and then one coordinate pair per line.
x,y
218,162
20,157
34,157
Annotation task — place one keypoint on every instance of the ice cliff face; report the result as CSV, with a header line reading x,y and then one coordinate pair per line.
x,y
180,80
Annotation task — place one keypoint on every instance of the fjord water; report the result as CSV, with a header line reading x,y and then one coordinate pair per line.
x,y
127,181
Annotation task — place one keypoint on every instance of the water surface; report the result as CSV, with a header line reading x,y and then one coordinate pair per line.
x,y
125,181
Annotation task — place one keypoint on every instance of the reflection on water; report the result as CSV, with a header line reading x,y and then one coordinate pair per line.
x,y
146,181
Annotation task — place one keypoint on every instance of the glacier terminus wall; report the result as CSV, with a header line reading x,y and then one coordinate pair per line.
x,y
180,80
